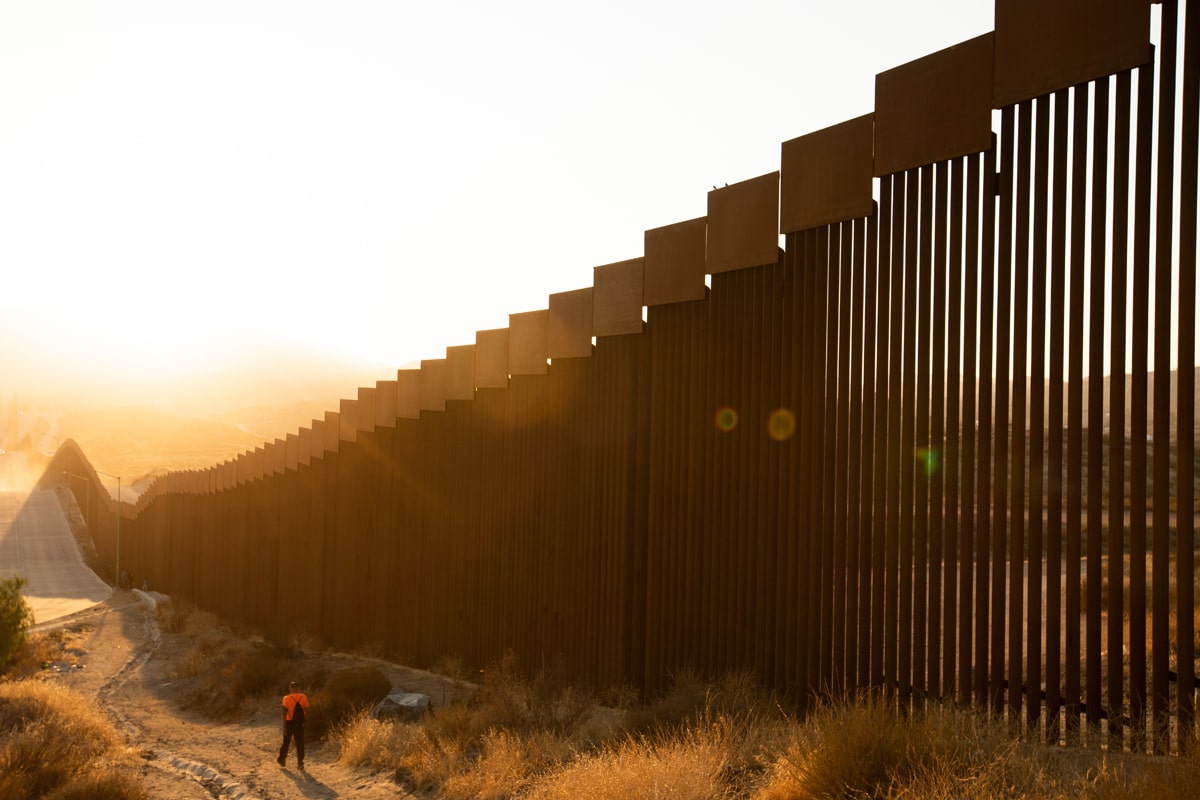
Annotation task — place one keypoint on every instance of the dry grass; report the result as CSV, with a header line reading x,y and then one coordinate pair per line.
x,y
1130,777
688,766
38,650
691,699
345,693
227,673
730,740
539,737
865,749
54,743
230,674
507,765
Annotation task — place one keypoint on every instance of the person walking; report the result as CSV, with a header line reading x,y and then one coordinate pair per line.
x,y
295,709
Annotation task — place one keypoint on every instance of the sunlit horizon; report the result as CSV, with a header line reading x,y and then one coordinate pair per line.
x,y
185,186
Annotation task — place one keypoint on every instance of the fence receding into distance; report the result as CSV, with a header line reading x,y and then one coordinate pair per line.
x,y
869,458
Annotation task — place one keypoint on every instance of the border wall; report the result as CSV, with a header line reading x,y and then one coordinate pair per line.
x,y
857,460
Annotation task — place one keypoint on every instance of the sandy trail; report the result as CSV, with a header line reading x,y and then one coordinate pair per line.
x,y
125,662
126,665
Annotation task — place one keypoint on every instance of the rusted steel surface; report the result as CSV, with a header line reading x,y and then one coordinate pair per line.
x,y
881,458
1186,391
432,384
528,342
569,328
935,108
408,394
1042,47
1160,627
674,262
826,176
491,359
1039,271
460,372
617,298
743,224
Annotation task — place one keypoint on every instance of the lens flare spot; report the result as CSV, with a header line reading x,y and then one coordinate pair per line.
x,y
726,419
781,424
928,459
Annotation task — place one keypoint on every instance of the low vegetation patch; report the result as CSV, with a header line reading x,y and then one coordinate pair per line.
x,y
731,740
345,693
229,675
56,744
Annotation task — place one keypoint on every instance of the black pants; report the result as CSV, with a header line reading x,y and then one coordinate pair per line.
x,y
289,731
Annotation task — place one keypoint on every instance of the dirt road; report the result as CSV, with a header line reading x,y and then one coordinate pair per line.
x,y
115,652
126,664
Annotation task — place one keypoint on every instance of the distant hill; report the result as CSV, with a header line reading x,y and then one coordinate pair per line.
x,y
1128,392
190,420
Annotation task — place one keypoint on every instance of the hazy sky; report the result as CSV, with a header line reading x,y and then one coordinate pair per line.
x,y
180,181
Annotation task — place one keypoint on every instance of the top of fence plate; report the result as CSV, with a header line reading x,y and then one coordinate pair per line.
x,y
673,268
528,342
460,372
433,384
569,329
743,224
1042,47
617,300
826,176
491,358
935,108
408,394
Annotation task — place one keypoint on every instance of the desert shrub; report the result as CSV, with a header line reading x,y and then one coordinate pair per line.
x,y
55,743
840,751
1135,777
345,693
101,786
367,742
255,671
690,699
497,741
688,765
228,673
452,667
15,618
507,765
546,703
36,652
866,748
507,701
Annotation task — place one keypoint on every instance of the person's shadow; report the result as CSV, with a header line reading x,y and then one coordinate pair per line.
x,y
308,785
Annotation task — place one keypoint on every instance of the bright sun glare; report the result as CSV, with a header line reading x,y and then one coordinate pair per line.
x,y
190,184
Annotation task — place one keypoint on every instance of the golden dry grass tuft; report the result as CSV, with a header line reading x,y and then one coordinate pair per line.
x,y
507,765
344,694
1129,777
688,766
226,672
38,650
690,699
54,743
372,743
731,740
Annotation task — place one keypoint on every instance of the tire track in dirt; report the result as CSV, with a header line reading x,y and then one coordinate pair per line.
x,y
215,782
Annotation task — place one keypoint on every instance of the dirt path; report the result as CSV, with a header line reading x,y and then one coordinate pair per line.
x,y
125,663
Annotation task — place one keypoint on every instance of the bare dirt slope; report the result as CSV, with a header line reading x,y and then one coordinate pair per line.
x,y
125,662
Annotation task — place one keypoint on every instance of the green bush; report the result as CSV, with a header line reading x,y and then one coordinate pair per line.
x,y
15,618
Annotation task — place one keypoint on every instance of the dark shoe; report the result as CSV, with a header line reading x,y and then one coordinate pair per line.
x,y
300,766
280,761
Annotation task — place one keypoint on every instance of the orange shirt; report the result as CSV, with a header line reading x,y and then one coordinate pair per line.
x,y
290,701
